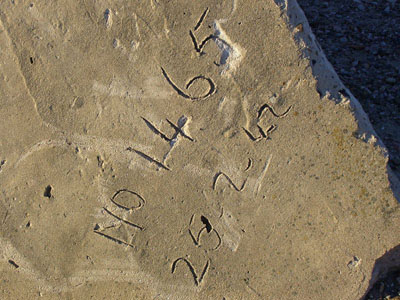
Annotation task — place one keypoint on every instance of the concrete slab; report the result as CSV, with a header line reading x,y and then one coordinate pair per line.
x,y
174,150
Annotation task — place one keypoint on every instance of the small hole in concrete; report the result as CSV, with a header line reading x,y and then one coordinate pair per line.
x,y
47,191
13,263
205,221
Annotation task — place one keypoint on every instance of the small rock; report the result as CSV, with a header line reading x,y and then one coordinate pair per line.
x,y
108,17
299,28
115,43
354,262
337,28
381,288
390,80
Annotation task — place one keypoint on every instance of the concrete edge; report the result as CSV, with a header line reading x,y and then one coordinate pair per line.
x,y
329,85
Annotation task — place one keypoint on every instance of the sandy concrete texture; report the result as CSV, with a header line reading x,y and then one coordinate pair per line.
x,y
184,150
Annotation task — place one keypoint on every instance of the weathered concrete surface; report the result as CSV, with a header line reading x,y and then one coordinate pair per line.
x,y
178,150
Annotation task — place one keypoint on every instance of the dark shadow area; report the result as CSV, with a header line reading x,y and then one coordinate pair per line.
x,y
385,277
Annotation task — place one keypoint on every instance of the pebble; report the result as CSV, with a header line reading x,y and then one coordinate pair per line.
x,y
108,18
390,80
115,43
337,28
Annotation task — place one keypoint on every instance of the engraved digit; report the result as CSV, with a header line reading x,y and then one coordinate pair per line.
x,y
210,92
200,21
125,191
155,130
114,200
148,158
122,220
263,134
249,165
199,47
267,107
208,228
197,280
114,239
178,129
236,188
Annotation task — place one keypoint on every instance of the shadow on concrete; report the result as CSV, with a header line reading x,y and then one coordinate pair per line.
x,y
385,265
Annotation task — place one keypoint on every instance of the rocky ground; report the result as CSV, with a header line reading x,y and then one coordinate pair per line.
x,y
361,38
386,289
